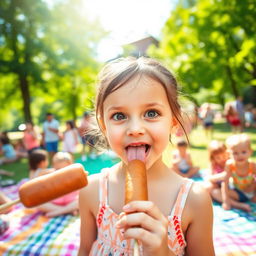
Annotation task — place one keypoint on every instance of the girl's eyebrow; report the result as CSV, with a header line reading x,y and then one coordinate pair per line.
x,y
148,105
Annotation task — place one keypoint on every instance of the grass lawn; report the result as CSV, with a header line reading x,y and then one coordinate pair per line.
x,y
198,150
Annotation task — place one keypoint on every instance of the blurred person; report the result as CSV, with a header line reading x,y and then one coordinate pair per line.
x,y
51,134
207,116
38,163
31,138
242,171
67,204
233,118
7,150
182,162
70,137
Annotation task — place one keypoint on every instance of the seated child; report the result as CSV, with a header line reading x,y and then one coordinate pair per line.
x,y
7,150
218,156
38,163
242,171
182,163
4,222
67,204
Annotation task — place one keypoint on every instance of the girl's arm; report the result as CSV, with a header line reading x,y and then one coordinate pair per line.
x,y
199,232
226,205
69,208
88,228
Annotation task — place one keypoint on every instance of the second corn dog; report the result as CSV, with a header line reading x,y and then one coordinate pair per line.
x,y
48,187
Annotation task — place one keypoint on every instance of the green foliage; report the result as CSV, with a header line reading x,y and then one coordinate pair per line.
x,y
211,45
47,59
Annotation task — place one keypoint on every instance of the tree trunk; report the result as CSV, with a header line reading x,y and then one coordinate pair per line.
x,y
232,82
24,86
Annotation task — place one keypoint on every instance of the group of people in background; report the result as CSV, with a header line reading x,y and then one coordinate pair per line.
x,y
237,115
32,139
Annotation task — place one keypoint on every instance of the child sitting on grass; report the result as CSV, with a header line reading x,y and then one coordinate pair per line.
x,y
182,162
242,171
218,156
67,204
38,163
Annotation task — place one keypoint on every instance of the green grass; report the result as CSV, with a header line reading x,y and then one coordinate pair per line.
x,y
198,149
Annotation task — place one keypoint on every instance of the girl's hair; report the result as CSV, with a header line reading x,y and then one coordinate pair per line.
x,y
118,72
216,147
62,157
235,140
71,123
36,157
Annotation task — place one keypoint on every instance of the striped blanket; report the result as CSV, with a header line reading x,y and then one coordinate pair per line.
x,y
32,234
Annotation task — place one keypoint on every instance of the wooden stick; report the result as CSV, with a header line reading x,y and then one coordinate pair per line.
x,y
3,207
136,249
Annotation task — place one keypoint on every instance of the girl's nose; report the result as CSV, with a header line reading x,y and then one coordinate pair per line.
x,y
135,128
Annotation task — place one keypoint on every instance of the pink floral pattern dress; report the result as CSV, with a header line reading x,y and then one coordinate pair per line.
x,y
110,241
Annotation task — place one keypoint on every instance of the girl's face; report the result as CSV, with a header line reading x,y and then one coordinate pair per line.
x,y
220,158
137,117
240,153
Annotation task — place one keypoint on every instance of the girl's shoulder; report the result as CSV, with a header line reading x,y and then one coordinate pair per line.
x,y
89,195
198,201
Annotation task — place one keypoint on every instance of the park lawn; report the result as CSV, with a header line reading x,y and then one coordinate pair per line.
x,y
198,149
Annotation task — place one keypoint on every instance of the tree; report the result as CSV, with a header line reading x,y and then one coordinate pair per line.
x,y
211,45
40,44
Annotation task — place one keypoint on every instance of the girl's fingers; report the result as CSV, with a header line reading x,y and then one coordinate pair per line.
x,y
147,238
147,207
138,219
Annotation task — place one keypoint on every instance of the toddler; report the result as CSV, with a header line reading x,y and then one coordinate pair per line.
x,y
242,171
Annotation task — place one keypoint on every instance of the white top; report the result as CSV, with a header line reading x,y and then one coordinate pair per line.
x,y
49,135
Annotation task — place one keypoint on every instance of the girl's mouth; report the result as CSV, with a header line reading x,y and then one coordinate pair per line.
x,y
137,151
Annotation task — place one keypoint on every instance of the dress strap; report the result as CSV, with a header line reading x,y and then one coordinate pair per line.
x,y
182,197
103,186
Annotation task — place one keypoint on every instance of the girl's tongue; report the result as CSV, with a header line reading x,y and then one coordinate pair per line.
x,y
138,153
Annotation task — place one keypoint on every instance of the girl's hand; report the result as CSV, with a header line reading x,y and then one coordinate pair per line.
x,y
143,221
226,206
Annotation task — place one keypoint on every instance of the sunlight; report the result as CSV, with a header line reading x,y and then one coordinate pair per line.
x,y
127,21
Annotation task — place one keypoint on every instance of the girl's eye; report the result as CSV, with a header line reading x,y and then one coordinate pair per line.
x,y
151,114
118,116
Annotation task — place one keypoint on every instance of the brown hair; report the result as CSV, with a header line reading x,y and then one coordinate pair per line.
x,y
118,72
36,157
216,147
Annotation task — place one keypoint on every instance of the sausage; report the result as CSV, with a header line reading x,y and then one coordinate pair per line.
x,y
136,182
48,187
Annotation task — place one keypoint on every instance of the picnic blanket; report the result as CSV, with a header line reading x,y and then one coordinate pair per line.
x,y
32,234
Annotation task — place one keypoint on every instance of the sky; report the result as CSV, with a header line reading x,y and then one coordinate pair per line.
x,y
127,21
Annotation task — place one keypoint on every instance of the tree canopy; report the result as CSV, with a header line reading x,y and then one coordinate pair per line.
x,y
47,59
211,45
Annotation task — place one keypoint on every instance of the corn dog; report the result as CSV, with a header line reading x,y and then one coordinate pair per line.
x,y
48,187
136,182
136,187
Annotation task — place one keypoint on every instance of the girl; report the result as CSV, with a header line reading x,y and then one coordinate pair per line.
x,y
242,171
70,138
182,162
218,156
136,109
31,138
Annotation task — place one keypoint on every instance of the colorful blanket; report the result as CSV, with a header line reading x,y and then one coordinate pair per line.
x,y
32,234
